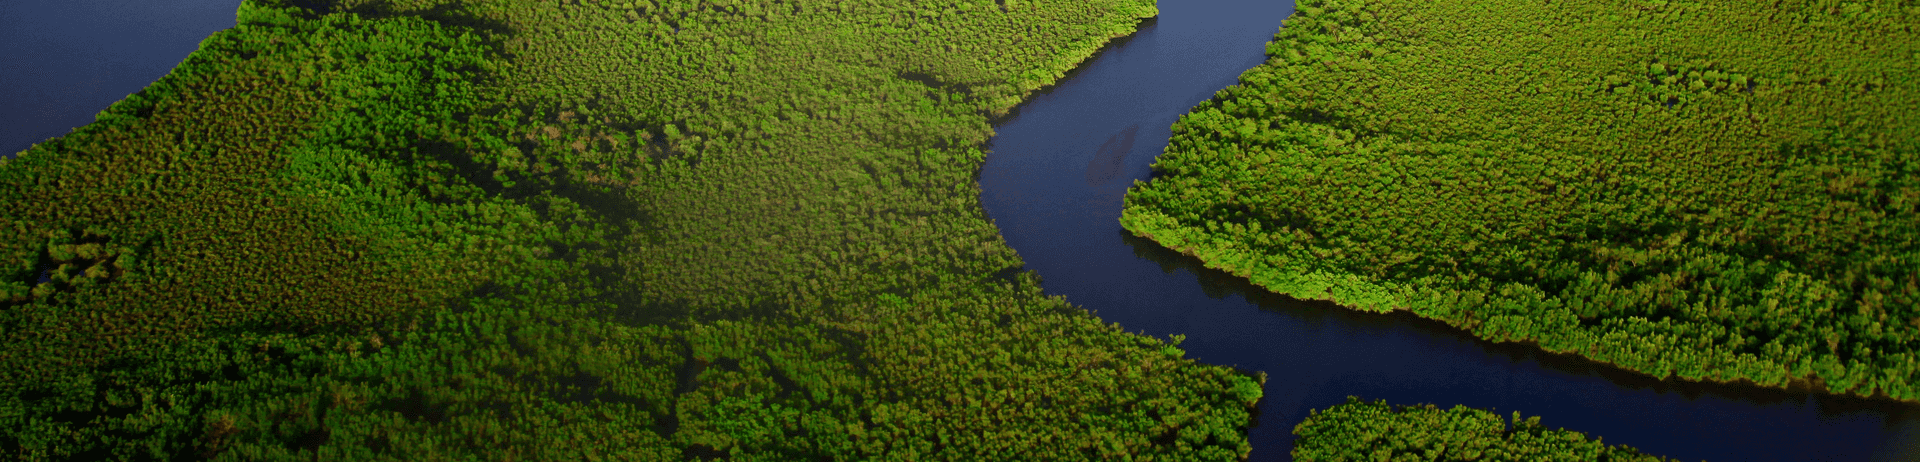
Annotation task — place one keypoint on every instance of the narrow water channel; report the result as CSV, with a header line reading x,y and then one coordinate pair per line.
x,y
1053,184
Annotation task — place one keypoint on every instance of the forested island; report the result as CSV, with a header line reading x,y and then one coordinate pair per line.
x,y
1704,191
574,230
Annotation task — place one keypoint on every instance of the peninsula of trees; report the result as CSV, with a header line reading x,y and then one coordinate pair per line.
x,y
573,230
1375,431
1717,191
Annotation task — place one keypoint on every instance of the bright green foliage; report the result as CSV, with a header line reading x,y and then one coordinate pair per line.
x,y
575,230
1720,191
1363,431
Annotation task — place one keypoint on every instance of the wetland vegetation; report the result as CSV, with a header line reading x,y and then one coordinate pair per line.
x,y
1707,191
747,229
573,230
1376,431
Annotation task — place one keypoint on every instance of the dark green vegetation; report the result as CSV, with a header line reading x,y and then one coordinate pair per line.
x,y
1363,431
516,230
1720,191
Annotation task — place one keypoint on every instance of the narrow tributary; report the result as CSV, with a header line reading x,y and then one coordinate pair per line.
x,y
1053,184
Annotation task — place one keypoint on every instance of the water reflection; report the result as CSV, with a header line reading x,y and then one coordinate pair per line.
x,y
1112,155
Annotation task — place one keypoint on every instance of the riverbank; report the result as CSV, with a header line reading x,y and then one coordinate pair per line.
x,y
360,230
1035,188
1669,203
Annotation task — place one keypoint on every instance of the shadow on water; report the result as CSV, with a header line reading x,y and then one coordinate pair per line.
x,y
1108,162
1144,25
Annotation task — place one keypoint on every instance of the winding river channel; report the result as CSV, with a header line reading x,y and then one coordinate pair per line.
x,y
1054,183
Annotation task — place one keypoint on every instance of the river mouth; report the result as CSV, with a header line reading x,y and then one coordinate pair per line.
x,y
1054,181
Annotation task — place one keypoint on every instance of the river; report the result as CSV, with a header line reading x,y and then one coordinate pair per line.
x,y
1053,183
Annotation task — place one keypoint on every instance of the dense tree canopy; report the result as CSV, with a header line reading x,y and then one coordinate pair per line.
x,y
1725,191
1376,431
572,230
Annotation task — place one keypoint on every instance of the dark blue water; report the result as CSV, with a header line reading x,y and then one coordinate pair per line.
x,y
1054,186
1054,182
62,61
